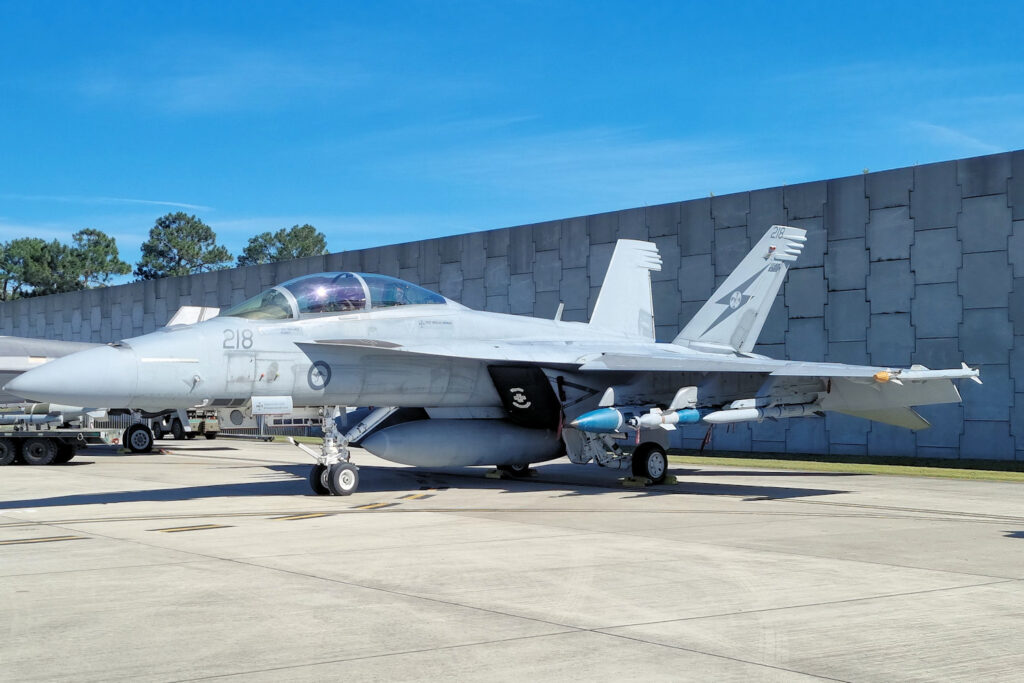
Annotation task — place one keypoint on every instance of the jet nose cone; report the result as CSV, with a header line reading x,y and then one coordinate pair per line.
x,y
104,377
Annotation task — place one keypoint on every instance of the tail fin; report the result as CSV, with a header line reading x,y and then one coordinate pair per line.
x,y
625,304
732,319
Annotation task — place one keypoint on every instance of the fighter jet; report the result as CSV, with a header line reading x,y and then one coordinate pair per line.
x,y
492,389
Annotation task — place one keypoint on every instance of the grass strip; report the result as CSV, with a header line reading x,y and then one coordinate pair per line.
x,y
981,470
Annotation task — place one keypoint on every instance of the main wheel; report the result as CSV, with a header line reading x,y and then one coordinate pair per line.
x,y
343,479
38,451
8,451
316,480
515,470
650,461
138,438
177,430
65,452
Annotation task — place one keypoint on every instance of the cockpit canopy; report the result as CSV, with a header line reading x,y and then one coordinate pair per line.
x,y
332,293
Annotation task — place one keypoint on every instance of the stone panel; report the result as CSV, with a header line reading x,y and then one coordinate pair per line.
x,y
730,210
935,199
986,440
985,280
947,421
806,200
767,208
806,339
854,353
983,175
1015,251
936,310
666,303
846,264
805,293
473,250
603,227
986,336
547,236
991,400
521,251
889,188
696,277
696,229
474,294
662,220
776,324
890,285
984,224
935,256
574,243
547,271
890,232
1015,186
891,339
546,305
807,435
846,429
575,288
813,254
497,242
887,440
730,248
668,248
451,281
632,225
846,316
846,212
600,257
521,294
496,276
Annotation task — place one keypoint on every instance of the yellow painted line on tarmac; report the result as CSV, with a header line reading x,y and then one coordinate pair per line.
x,y
311,515
48,539
417,496
200,527
375,506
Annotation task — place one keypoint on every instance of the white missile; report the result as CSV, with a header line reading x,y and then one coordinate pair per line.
x,y
755,414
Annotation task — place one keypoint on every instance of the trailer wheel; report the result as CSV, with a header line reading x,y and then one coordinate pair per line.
x,y
38,451
8,451
650,461
210,435
177,430
138,438
65,452
517,471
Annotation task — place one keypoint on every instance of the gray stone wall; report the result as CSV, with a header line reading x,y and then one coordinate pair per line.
x,y
913,265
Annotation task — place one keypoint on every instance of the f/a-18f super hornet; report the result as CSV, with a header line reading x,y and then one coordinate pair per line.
x,y
492,389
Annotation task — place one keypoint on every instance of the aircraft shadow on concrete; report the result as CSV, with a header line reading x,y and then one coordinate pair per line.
x,y
400,480
1014,534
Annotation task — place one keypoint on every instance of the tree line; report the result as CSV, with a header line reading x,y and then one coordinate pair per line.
x,y
178,244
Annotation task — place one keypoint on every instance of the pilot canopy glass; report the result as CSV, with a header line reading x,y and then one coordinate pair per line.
x,y
332,294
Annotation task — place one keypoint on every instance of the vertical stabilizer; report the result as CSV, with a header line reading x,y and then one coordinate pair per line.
x,y
625,304
732,319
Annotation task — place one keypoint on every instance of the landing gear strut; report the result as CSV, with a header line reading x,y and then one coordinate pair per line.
x,y
334,473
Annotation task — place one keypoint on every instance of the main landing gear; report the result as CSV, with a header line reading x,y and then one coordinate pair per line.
x,y
334,473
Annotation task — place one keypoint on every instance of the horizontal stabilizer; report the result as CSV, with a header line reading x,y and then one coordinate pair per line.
x,y
899,417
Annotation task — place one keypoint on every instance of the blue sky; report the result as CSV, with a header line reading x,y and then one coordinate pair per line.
x,y
396,121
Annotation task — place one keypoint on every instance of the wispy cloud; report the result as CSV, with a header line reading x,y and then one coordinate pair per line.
x,y
604,166
946,136
81,199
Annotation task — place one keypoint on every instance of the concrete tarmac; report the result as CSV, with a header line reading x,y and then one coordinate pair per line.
x,y
214,560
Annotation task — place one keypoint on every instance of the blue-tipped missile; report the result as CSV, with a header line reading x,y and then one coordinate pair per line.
x,y
600,421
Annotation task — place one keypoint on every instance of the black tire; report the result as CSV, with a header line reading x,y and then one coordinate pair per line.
x,y
38,451
8,451
177,430
343,479
316,480
138,438
650,461
516,471
210,435
65,452
158,433
190,435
